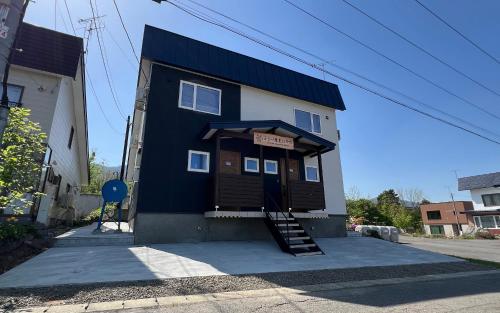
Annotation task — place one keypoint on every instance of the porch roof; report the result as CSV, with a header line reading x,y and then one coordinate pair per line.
x,y
482,212
303,139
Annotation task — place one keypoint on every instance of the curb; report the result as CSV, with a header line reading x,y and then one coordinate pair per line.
x,y
234,295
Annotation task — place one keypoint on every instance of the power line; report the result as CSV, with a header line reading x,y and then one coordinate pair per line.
x,y
409,107
90,79
120,48
394,61
99,104
130,40
69,15
105,65
338,66
412,43
458,32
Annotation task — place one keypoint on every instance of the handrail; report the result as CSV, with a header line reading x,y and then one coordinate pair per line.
x,y
278,209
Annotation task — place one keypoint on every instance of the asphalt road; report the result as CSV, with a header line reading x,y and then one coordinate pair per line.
x,y
488,250
472,294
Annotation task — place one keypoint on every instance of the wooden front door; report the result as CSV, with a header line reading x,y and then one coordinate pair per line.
x,y
293,174
230,162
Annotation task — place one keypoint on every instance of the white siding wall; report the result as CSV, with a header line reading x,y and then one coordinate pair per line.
x,y
478,200
257,104
64,118
40,94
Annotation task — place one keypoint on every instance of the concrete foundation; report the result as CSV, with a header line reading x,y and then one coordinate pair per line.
x,y
171,228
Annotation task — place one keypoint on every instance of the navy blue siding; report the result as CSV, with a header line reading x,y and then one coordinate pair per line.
x,y
165,184
183,52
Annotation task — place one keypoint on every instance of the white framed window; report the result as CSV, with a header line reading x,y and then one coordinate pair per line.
x,y
312,173
271,167
251,165
491,199
198,161
487,221
199,98
308,121
14,93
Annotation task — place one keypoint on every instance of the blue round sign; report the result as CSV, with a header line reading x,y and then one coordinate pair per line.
x,y
114,191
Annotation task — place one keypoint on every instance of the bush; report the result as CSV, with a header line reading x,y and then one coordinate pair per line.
x,y
15,231
484,235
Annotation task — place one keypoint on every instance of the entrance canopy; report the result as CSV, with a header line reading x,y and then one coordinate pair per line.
x,y
303,141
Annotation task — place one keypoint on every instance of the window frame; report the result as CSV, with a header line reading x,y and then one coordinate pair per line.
x,y
265,167
197,170
434,219
19,103
195,92
480,219
251,170
317,173
311,113
492,197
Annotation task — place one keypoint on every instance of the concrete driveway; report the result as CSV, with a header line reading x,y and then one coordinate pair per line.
x,y
488,250
80,265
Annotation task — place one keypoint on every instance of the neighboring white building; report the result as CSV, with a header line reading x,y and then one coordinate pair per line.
x,y
47,76
485,194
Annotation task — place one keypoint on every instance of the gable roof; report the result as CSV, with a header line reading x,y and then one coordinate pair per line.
x,y
479,181
172,49
47,50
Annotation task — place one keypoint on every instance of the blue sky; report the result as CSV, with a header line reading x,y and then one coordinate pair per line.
x,y
383,145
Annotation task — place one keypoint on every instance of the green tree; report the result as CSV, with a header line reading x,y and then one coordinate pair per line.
x,y
389,205
21,154
363,211
98,176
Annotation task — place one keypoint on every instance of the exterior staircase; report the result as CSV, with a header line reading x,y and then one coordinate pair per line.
x,y
289,234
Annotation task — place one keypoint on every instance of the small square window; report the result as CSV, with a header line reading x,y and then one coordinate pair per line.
x,y
270,167
14,93
198,161
312,173
252,165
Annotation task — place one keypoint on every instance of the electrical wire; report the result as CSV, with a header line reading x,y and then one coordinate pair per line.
x,y
394,61
108,78
458,32
400,103
340,67
420,48
130,40
90,79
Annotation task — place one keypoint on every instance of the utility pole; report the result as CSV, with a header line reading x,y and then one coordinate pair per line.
x,y
11,18
459,228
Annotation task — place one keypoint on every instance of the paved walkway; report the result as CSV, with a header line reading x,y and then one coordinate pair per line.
x,y
77,265
488,250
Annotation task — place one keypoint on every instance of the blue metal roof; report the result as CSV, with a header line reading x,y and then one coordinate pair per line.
x,y
278,127
172,49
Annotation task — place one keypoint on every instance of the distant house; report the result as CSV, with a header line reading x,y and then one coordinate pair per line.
x,y
447,218
485,193
220,140
47,76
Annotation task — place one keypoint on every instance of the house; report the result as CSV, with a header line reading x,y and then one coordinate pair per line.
x,y
485,193
48,77
221,140
447,218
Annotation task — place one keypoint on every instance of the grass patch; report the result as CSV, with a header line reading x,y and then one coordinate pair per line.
x,y
480,262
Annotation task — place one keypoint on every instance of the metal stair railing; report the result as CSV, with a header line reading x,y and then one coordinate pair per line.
x,y
278,212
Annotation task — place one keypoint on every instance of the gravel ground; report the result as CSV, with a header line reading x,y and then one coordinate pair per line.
x,y
101,292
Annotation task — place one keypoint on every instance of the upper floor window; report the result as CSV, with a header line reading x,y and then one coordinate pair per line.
x,y
433,215
71,134
15,93
308,121
199,98
491,199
